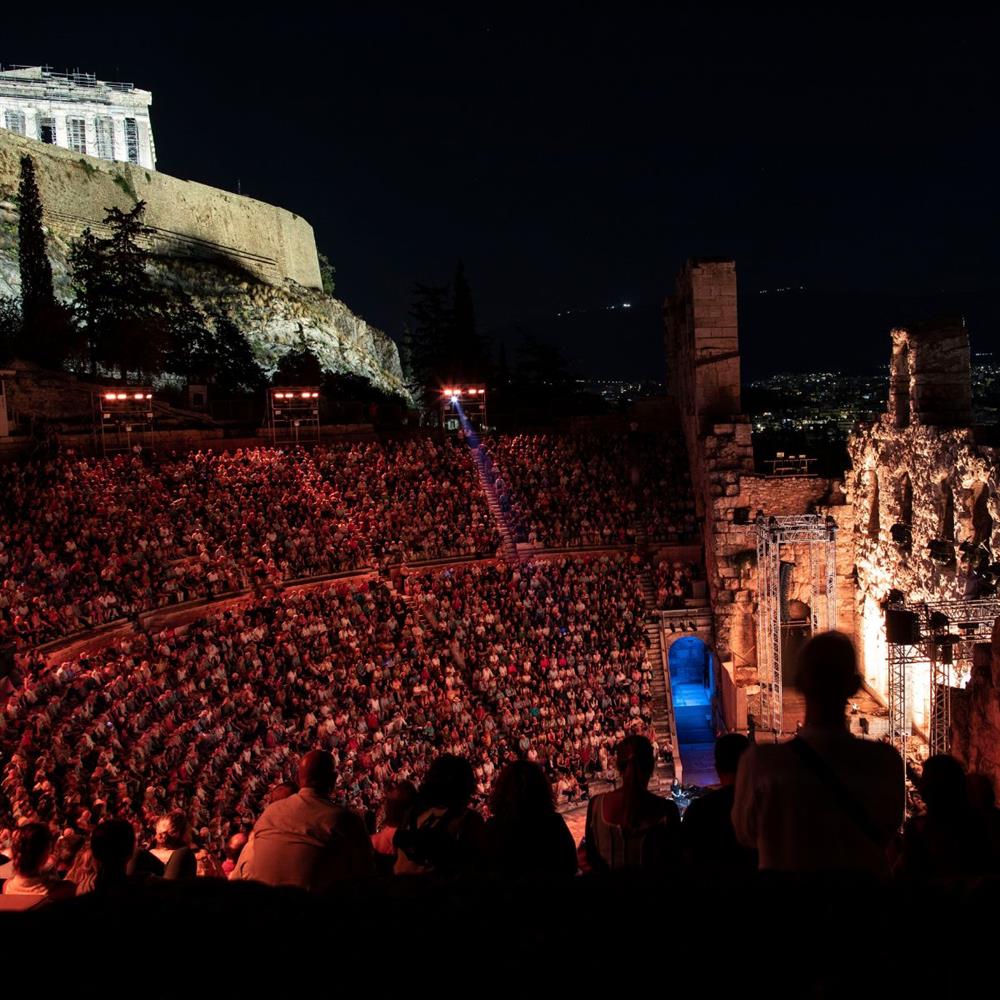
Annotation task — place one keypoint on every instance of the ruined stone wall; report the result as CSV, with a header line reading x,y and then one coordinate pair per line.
x,y
975,713
187,219
942,469
703,356
923,485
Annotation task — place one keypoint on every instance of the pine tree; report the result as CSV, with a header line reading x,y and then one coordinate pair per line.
x,y
430,345
37,297
466,346
125,318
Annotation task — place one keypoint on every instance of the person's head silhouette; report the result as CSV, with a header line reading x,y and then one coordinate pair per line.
x,y
827,676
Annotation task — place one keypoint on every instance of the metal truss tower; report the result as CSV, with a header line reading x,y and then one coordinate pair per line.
x,y
944,638
819,535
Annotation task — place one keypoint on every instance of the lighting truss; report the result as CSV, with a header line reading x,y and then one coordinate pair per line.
x,y
968,622
293,415
901,656
122,417
819,534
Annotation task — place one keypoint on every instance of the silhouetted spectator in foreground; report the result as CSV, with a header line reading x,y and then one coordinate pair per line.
x,y
399,799
983,799
826,800
31,847
951,838
307,839
442,835
525,835
112,845
631,827
707,834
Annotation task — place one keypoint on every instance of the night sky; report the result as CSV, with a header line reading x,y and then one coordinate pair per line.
x,y
574,161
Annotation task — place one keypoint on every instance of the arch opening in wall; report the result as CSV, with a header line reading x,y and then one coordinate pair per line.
x,y
874,516
982,520
795,633
942,547
692,685
902,530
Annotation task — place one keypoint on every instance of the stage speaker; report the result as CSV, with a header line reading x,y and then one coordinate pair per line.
x,y
741,515
902,628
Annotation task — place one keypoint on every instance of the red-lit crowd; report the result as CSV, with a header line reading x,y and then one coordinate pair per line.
x,y
675,580
543,661
87,541
594,489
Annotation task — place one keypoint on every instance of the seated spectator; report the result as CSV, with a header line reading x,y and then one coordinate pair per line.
x,y
442,835
172,856
709,841
524,835
308,840
234,847
950,839
83,873
399,799
631,827
826,800
32,846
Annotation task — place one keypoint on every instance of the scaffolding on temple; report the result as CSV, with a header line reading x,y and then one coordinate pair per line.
x,y
819,534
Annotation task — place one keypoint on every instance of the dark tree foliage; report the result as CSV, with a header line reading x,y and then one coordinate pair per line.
x,y
299,366
10,327
465,345
428,340
541,389
125,318
237,371
327,273
211,349
37,297
441,345
45,332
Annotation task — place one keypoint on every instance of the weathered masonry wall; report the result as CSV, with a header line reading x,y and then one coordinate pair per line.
x,y
703,353
923,484
187,219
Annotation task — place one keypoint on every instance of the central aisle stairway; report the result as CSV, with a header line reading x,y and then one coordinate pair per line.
x,y
667,769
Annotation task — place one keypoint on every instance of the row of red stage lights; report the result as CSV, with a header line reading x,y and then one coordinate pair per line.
x,y
296,395
460,392
127,395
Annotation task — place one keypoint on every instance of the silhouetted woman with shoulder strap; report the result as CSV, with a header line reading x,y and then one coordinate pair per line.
x,y
631,827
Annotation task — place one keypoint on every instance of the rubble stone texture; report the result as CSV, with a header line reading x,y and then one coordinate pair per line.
x,y
922,467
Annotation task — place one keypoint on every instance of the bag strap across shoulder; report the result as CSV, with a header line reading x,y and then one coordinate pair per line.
x,y
845,798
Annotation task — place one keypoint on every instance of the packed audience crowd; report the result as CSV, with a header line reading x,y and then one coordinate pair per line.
x,y
675,581
88,541
594,489
543,661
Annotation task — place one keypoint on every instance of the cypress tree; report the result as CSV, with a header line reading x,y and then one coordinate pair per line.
x,y
37,297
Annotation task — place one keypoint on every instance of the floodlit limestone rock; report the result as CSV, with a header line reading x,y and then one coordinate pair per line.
x,y
212,245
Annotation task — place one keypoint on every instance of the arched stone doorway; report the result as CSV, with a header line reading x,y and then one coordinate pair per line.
x,y
795,632
692,686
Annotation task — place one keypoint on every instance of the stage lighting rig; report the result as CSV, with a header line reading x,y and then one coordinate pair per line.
x,y
123,417
293,414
